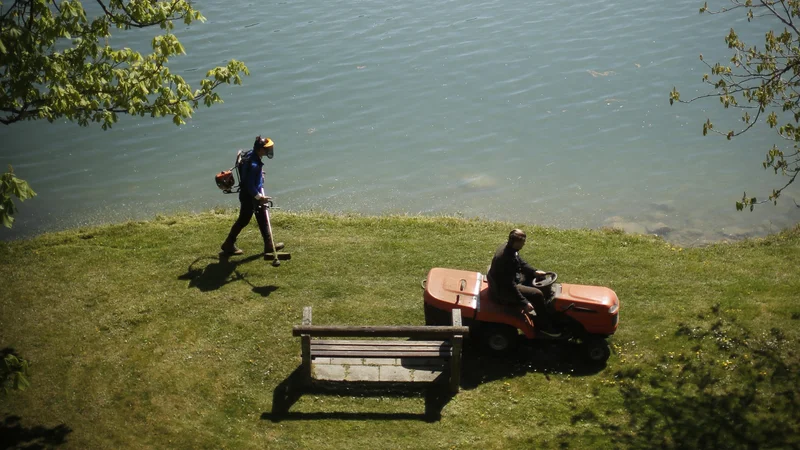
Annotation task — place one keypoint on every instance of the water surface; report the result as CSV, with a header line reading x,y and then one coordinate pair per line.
x,y
538,112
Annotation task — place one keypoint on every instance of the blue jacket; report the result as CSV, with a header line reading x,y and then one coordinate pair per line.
x,y
251,179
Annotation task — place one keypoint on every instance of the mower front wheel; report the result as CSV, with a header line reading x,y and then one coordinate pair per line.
x,y
499,339
597,350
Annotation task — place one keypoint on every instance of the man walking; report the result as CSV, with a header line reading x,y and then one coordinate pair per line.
x,y
251,197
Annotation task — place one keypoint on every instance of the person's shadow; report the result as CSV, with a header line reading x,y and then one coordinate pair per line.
x,y
219,272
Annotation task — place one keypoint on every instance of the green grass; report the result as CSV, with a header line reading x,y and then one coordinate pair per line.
x,y
140,337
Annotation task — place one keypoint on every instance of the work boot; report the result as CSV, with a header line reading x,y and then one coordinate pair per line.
x,y
229,248
278,247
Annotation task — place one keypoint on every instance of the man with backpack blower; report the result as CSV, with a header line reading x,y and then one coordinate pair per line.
x,y
252,199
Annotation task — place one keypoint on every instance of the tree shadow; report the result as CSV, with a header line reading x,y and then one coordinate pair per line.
x,y
14,435
219,272
729,388
436,395
546,357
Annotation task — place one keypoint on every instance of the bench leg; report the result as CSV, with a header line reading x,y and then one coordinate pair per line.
x,y
455,360
305,344
455,364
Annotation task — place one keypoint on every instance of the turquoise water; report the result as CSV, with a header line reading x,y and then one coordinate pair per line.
x,y
525,111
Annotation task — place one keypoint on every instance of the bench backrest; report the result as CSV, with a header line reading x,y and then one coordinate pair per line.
x,y
425,331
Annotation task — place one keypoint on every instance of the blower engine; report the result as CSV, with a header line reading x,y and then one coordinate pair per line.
x,y
228,180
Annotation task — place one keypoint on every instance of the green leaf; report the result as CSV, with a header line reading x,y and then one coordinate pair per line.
x,y
20,382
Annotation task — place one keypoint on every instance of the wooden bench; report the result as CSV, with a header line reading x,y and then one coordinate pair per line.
x,y
441,349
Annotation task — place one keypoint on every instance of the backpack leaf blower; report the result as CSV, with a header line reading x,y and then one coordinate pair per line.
x,y
229,180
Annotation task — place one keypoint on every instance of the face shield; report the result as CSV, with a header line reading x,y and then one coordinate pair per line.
x,y
264,144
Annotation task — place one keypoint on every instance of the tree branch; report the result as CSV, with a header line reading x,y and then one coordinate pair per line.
x,y
11,8
105,10
30,19
87,82
791,180
133,22
785,21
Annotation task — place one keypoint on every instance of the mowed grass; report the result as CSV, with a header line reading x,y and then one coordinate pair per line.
x,y
140,336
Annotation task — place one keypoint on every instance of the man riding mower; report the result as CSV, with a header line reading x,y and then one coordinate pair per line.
x,y
578,313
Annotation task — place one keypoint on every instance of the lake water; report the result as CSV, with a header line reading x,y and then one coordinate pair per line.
x,y
529,111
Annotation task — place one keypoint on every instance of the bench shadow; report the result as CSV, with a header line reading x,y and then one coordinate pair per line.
x,y
478,367
545,357
290,390
14,435
220,271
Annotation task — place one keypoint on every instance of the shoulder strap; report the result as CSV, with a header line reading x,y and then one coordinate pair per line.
x,y
245,156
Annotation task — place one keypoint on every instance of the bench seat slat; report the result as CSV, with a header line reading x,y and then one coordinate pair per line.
x,y
381,349
377,343
350,348
379,354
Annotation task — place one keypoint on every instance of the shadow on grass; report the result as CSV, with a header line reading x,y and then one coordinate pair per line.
x,y
729,388
477,368
546,357
287,393
219,272
14,435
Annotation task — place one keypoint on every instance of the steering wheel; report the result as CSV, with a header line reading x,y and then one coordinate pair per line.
x,y
542,281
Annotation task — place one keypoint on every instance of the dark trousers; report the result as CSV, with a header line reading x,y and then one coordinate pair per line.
x,y
540,305
246,211
531,294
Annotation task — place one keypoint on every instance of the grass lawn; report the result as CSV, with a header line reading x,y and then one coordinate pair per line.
x,y
139,336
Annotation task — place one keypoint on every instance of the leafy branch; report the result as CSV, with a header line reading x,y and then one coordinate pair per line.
x,y
764,82
90,81
57,63
11,185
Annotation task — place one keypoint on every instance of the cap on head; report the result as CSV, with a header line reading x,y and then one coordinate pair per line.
x,y
516,235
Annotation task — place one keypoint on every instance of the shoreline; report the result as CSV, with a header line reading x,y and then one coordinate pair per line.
x,y
647,226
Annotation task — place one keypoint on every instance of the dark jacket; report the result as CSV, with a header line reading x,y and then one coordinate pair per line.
x,y
502,276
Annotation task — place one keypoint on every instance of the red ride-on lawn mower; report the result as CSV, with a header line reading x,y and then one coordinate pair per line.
x,y
586,314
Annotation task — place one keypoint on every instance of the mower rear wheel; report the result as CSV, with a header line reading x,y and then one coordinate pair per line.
x,y
499,338
597,350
